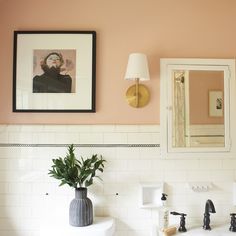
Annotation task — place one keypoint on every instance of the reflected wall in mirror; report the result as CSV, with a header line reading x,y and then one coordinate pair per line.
x,y
195,104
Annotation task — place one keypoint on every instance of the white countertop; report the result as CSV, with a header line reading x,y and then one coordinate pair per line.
x,y
197,230
216,230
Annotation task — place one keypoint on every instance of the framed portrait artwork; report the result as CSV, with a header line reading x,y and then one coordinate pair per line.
x,y
216,103
54,71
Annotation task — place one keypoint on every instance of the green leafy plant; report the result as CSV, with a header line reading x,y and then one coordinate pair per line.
x,y
76,173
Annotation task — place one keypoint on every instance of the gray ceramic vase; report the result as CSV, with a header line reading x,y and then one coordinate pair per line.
x,y
81,209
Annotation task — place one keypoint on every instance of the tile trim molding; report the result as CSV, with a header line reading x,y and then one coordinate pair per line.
x,y
78,145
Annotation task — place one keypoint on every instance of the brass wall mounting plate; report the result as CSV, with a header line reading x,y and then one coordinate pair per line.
x,y
143,96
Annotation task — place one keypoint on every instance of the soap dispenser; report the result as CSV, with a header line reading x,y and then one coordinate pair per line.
x,y
163,213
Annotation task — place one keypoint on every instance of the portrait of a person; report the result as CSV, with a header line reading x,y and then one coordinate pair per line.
x,y
52,80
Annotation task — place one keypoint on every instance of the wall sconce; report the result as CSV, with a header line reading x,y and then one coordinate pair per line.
x,y
137,69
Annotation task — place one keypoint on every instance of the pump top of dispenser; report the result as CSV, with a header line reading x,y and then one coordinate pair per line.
x,y
164,197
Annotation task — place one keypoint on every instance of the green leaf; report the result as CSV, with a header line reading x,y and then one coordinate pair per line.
x,y
88,182
74,172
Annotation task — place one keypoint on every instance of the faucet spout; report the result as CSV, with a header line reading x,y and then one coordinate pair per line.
x,y
209,208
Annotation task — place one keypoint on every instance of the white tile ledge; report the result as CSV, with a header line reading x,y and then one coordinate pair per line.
x,y
102,226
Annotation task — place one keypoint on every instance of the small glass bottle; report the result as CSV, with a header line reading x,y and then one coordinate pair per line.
x,y
163,213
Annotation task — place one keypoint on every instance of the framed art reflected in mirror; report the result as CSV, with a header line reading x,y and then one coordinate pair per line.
x,y
216,103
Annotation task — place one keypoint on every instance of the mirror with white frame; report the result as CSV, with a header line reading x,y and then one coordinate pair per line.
x,y
195,98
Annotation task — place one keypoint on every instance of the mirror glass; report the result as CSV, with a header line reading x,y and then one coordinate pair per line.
x,y
195,104
198,108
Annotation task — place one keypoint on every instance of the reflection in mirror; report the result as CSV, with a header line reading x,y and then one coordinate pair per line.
x,y
195,101
198,111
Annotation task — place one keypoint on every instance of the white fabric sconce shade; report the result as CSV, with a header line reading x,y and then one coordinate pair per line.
x,y
137,69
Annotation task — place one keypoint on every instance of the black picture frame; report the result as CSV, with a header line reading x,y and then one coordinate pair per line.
x,y
69,85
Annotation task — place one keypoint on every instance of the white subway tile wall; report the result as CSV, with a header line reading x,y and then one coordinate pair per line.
x,y
28,194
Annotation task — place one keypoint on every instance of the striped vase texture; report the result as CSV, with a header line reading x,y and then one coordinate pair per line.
x,y
81,209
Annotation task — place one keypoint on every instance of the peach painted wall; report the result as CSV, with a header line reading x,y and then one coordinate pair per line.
x,y
200,83
159,28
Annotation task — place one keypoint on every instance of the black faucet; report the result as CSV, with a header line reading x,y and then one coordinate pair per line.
x,y
182,221
209,208
232,223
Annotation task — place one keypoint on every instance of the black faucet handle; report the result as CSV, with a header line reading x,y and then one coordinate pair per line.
x,y
182,220
232,227
177,213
